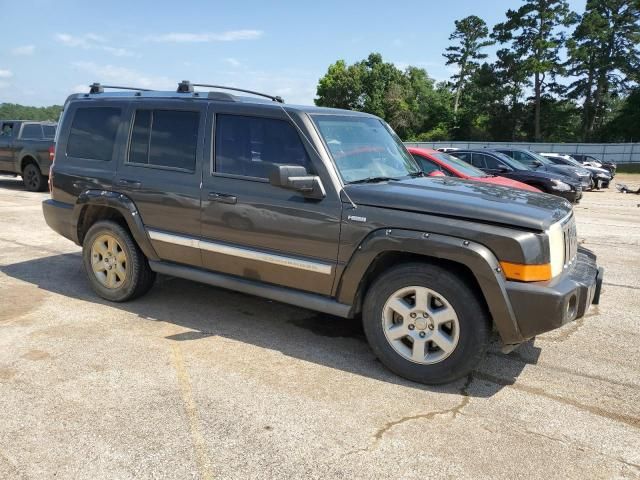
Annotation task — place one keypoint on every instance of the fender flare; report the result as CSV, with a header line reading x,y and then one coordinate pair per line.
x,y
125,206
482,263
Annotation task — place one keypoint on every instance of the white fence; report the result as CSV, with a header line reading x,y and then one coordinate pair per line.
x,y
612,152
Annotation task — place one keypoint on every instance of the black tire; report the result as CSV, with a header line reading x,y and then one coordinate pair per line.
x,y
473,319
139,277
32,178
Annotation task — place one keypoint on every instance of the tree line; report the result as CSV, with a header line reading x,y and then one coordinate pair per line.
x,y
13,111
557,76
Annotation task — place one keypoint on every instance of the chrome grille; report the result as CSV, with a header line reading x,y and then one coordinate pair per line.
x,y
570,236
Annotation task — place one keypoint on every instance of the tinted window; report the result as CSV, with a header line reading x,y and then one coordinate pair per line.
x,y
477,160
462,156
492,163
427,166
522,157
32,130
165,138
93,132
248,146
49,131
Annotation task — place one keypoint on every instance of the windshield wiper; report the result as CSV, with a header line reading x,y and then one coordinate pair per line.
x,y
373,180
419,173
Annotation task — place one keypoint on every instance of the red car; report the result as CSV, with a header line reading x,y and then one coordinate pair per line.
x,y
432,162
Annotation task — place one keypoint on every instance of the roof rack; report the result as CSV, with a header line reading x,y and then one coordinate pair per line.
x,y
98,88
186,86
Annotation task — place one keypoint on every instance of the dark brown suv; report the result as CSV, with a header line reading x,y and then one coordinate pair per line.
x,y
317,207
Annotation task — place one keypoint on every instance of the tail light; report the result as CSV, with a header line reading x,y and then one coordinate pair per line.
x,y
52,157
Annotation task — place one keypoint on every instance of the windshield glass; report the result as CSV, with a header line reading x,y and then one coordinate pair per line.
x,y
515,164
459,165
537,156
364,147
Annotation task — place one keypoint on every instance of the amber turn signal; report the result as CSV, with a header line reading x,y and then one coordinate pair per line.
x,y
526,273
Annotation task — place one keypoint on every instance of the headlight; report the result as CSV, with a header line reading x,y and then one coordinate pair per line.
x,y
603,176
556,248
560,185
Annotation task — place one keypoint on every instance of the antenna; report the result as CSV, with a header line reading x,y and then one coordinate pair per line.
x,y
187,87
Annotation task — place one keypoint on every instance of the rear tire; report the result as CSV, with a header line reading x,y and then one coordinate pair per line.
x,y
116,267
32,178
425,323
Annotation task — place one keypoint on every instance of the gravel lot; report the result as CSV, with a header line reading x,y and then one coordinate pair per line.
x,y
197,382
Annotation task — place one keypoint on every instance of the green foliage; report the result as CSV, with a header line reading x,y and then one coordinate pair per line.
x,y
13,111
547,82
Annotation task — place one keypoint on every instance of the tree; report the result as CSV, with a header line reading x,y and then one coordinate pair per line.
x,y
534,37
604,55
21,112
341,87
471,34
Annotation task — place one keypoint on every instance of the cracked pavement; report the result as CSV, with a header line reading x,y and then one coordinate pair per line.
x,y
196,382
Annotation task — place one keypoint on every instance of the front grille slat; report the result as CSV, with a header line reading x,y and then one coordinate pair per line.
x,y
570,237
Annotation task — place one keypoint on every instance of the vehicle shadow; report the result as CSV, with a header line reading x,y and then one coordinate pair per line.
x,y
206,311
12,183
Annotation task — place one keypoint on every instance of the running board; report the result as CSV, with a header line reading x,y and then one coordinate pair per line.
x,y
311,301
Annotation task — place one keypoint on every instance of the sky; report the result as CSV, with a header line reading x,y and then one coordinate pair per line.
x,y
52,48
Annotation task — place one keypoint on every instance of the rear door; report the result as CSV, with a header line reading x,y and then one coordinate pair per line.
x,y
159,169
253,229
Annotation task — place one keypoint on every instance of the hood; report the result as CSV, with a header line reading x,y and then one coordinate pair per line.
x,y
454,197
505,182
599,171
568,170
546,174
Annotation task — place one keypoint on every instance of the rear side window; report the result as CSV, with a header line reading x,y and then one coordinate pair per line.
x,y
93,132
492,163
165,138
248,146
32,131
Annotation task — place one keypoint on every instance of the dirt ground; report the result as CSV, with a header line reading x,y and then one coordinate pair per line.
x,y
197,382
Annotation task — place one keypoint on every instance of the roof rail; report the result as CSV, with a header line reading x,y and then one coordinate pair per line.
x,y
98,88
186,86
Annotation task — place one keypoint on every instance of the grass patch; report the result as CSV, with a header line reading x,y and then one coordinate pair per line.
x,y
628,168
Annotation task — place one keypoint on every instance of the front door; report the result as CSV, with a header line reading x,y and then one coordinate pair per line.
x,y
160,171
7,135
258,231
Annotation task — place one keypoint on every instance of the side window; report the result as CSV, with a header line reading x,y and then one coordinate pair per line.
x,y
93,132
492,163
31,131
7,129
465,157
427,166
477,160
248,146
165,138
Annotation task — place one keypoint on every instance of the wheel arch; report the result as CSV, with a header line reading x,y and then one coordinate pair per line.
x,y
94,205
475,262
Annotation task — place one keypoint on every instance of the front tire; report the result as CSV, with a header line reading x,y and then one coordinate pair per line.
x,y
116,267
32,178
425,323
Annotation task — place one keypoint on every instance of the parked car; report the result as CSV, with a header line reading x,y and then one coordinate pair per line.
x,y
600,178
433,161
538,162
595,162
496,163
341,221
26,149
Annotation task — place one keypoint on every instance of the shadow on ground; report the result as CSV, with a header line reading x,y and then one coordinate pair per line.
x,y
207,311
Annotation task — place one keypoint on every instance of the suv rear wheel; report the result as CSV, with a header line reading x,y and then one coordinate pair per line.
x,y
425,323
32,178
117,269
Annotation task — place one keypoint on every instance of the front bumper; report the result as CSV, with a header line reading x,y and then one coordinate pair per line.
x,y
543,306
573,196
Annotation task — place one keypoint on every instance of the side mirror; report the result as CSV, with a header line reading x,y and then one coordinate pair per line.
x,y
437,173
295,177
537,163
504,169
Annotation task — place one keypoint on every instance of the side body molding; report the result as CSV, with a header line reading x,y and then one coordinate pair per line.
x,y
477,258
122,204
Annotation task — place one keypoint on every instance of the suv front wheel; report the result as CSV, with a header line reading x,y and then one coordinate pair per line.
x,y
117,270
425,323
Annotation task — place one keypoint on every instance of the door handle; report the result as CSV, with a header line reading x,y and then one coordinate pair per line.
x,y
123,182
223,198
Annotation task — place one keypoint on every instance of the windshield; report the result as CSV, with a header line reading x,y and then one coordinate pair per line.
x,y
459,165
364,148
537,156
